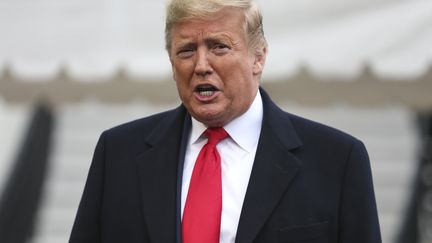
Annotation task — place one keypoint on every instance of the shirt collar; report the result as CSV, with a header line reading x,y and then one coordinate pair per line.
x,y
244,130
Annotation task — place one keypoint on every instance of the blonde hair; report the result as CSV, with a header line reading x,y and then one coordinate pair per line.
x,y
183,10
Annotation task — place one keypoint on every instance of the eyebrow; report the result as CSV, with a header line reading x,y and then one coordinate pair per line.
x,y
182,45
207,41
185,45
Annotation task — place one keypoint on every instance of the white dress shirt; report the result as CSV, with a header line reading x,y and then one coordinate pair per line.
x,y
237,154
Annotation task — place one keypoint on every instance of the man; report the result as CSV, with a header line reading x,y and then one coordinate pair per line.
x,y
227,165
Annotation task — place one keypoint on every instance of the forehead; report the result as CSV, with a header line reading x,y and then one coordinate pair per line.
x,y
228,21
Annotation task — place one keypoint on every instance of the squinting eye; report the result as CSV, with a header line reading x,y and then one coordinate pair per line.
x,y
220,49
185,53
220,46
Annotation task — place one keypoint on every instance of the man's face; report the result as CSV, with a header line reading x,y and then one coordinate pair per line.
x,y
217,76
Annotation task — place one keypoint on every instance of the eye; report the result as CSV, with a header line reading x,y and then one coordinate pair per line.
x,y
220,48
185,53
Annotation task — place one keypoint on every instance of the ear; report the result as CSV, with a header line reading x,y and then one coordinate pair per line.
x,y
259,60
173,71
174,74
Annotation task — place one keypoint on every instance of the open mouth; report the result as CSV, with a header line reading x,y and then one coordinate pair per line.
x,y
206,90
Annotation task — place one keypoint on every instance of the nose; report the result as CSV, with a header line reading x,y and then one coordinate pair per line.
x,y
202,65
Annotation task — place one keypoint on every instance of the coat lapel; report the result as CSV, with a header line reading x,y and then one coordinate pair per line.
x,y
157,169
274,169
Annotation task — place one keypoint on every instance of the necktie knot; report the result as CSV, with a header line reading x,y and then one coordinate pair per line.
x,y
215,135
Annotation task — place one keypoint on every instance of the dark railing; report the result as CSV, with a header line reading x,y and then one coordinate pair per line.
x,y
417,226
22,192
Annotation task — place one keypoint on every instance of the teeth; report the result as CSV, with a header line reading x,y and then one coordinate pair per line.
x,y
206,93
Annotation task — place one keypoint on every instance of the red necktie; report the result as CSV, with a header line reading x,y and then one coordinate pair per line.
x,y
202,212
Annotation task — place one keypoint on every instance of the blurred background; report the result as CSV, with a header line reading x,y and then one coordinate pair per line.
x,y
71,69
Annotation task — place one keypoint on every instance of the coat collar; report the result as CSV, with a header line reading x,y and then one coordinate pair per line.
x,y
158,170
274,169
278,122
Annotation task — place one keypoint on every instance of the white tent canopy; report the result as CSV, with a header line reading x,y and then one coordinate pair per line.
x,y
95,37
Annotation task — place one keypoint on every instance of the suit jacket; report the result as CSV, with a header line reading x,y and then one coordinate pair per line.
x,y
309,183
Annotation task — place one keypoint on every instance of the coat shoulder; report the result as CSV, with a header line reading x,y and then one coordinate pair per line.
x,y
314,132
306,131
137,131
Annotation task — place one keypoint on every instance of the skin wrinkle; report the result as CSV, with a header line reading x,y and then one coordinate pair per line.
x,y
215,52
187,39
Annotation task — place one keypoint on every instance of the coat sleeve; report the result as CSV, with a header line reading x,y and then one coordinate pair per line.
x,y
86,228
358,213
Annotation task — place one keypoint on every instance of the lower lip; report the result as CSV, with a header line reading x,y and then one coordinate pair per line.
x,y
203,98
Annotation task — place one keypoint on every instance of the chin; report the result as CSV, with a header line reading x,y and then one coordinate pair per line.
x,y
212,115
211,119
214,124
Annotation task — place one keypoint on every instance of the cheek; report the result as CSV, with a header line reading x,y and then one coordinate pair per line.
x,y
239,77
183,71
